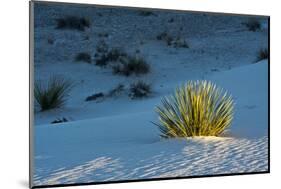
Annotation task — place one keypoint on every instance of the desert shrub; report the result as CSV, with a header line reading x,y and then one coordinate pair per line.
x,y
83,57
53,94
102,47
169,40
262,54
117,69
50,41
164,36
86,38
171,20
179,43
253,25
132,65
116,91
104,55
103,34
198,108
59,120
115,54
73,22
111,56
176,42
146,13
139,89
95,97
102,60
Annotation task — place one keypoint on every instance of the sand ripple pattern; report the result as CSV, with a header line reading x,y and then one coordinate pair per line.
x,y
199,156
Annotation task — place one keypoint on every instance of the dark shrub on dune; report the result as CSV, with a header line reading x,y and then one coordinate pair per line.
x,y
73,22
113,55
83,57
253,25
146,13
139,89
94,97
59,120
116,91
262,54
132,65
102,47
176,42
102,60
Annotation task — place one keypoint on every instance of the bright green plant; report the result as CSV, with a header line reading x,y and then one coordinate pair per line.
x,y
53,94
198,108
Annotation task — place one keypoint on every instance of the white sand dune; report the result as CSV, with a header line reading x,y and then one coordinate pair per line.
x,y
127,146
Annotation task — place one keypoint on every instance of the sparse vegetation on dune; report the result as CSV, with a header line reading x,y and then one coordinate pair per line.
x,y
164,36
171,20
101,47
102,60
253,25
110,56
139,89
116,91
198,108
53,94
50,41
103,34
120,62
83,57
104,55
146,13
132,65
59,120
95,96
180,43
176,42
73,22
262,54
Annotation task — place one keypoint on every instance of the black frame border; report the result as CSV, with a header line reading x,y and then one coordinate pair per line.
x,y
31,63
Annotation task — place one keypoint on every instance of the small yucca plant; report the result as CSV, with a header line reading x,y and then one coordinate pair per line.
x,y
53,94
198,108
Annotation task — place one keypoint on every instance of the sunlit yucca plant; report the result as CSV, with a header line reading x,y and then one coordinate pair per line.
x,y
198,108
52,94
